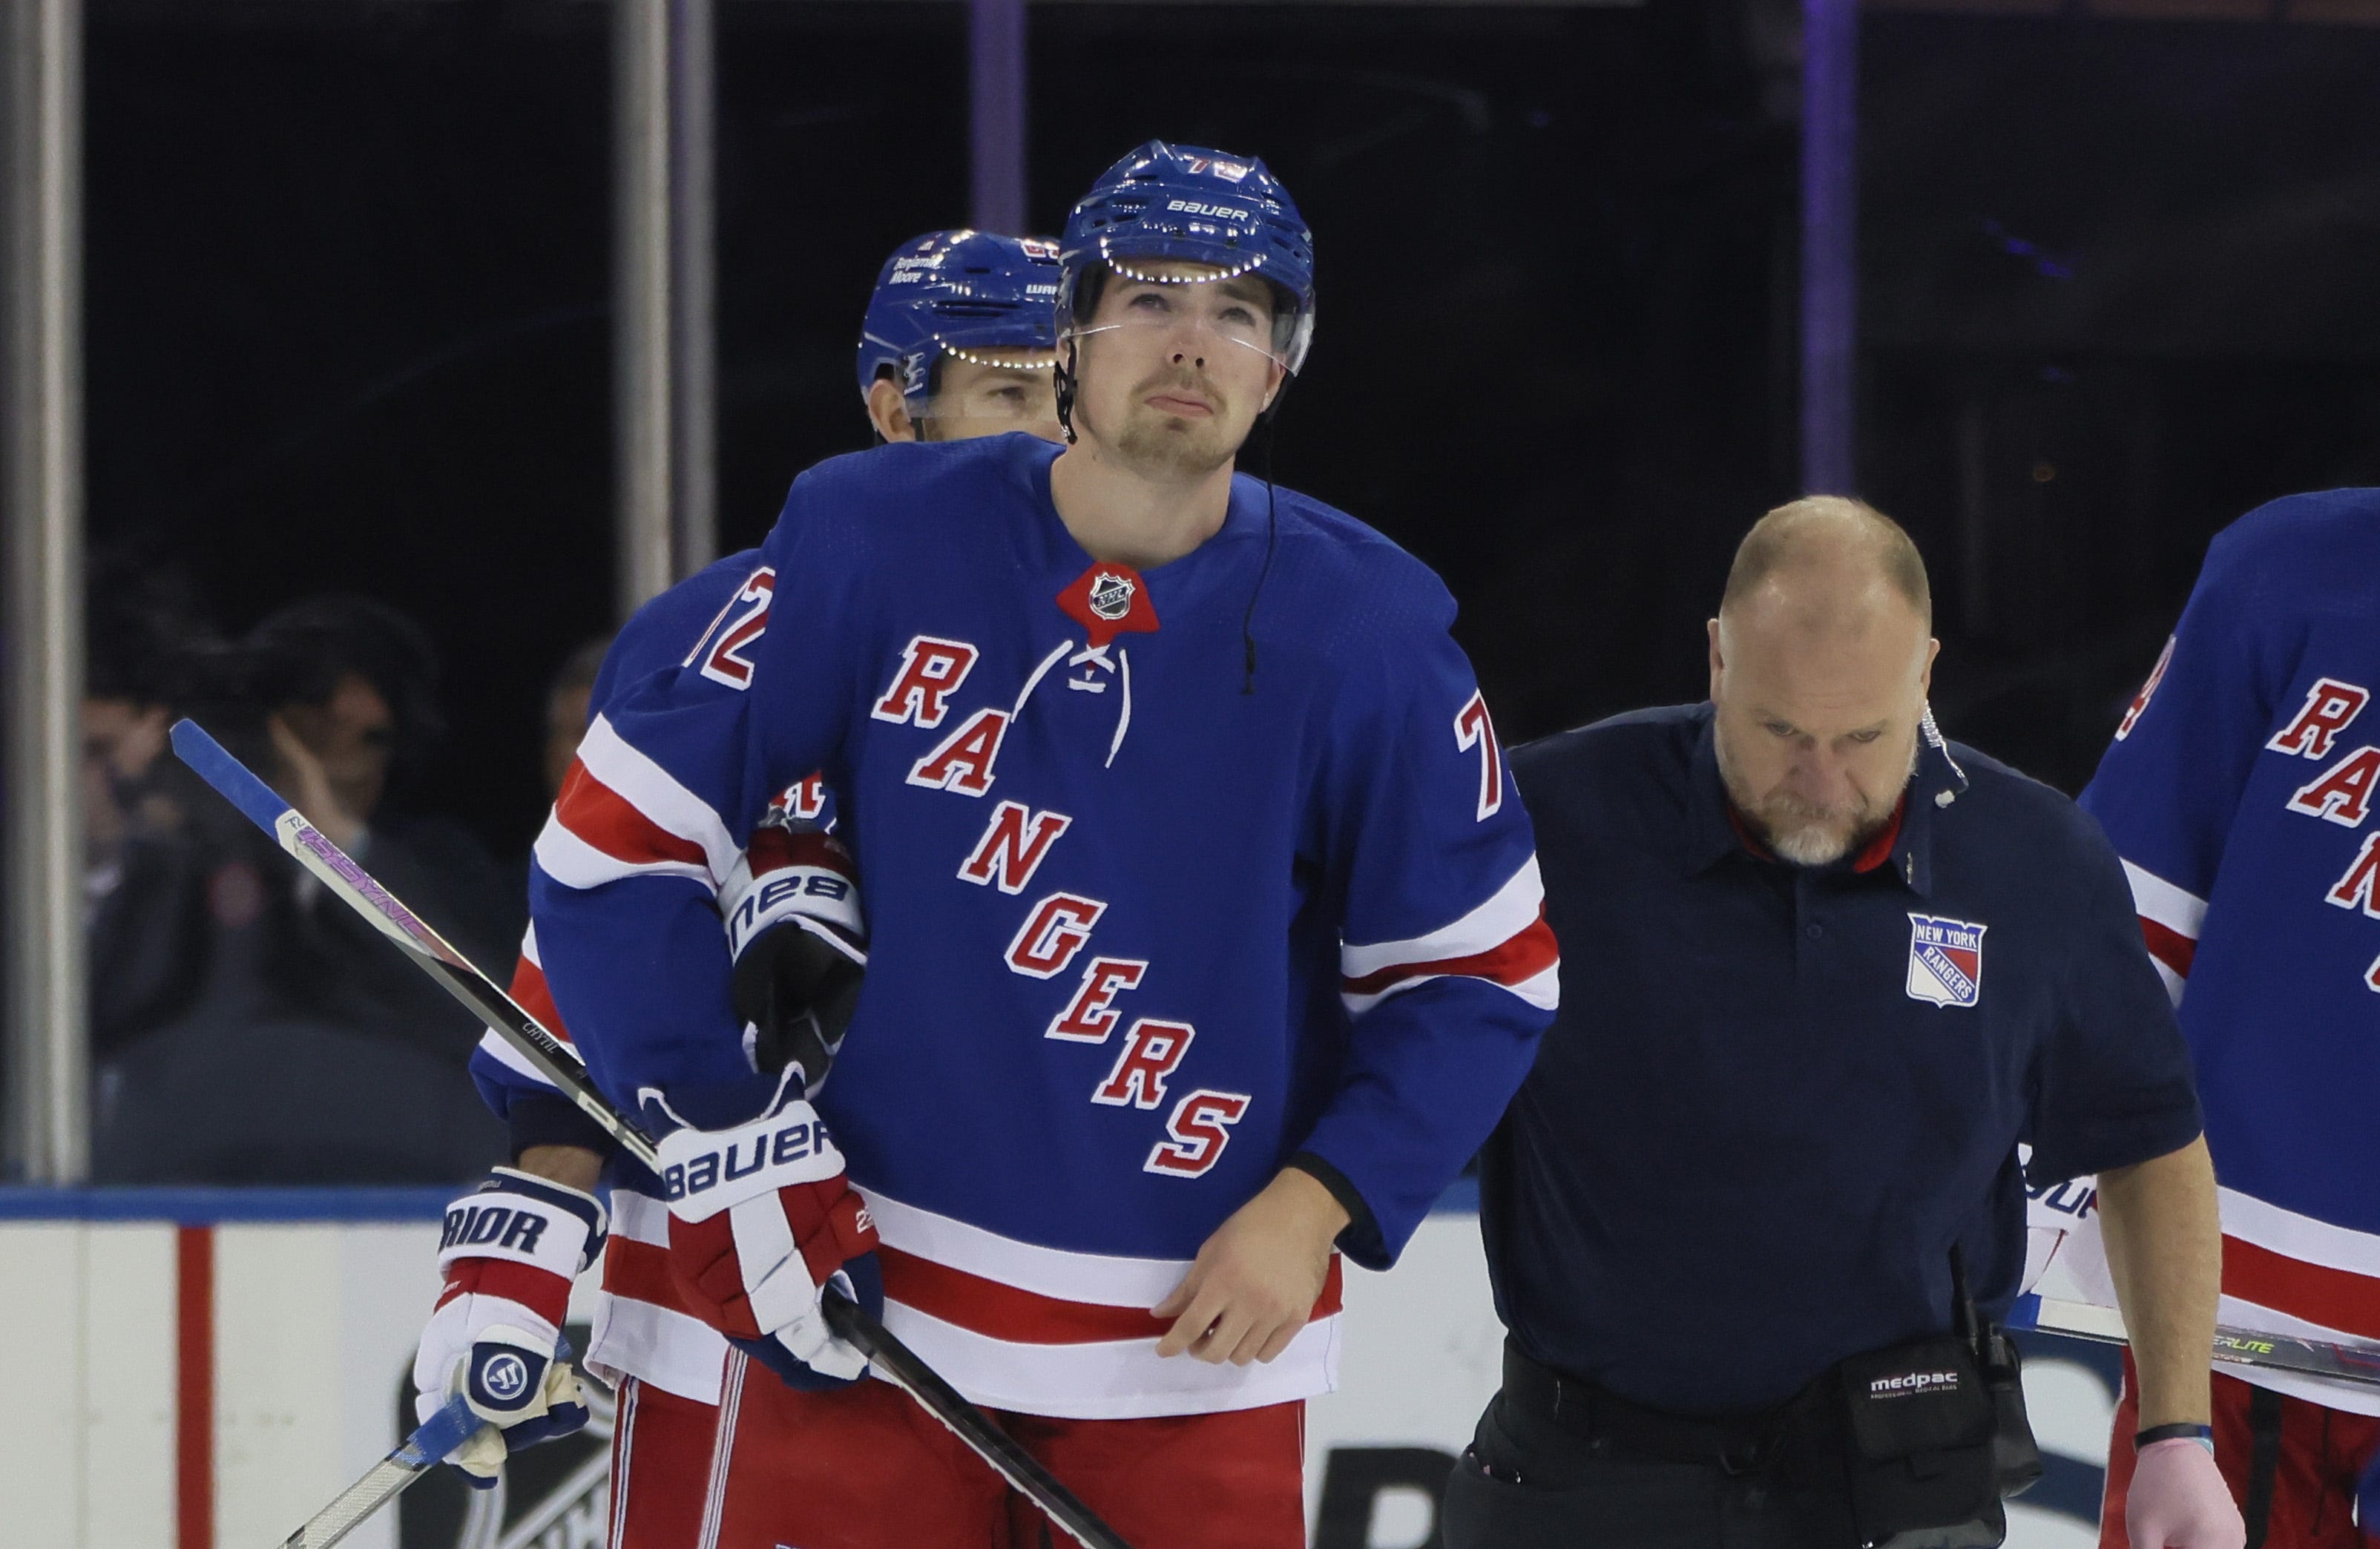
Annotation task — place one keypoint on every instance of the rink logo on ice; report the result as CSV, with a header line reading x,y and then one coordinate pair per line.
x,y
1946,960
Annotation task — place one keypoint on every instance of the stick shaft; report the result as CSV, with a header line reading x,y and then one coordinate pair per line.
x,y
389,1478
560,1064
2233,1346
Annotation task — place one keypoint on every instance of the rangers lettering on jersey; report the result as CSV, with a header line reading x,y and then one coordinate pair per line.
x,y
1151,1052
1013,846
2360,889
1091,1016
963,763
2341,793
2244,815
931,671
1057,929
2329,705
1292,860
1200,1127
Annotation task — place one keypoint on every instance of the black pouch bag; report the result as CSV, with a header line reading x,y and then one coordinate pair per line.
x,y
1937,1434
2016,1459
1919,1424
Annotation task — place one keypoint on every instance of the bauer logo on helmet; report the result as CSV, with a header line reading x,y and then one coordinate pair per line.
x,y
1213,212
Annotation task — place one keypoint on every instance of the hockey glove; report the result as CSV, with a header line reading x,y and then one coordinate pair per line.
x,y
762,1221
794,925
509,1255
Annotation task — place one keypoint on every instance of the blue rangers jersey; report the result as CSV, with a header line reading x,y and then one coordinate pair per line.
x,y
642,1327
2241,792
1170,878
661,633
653,639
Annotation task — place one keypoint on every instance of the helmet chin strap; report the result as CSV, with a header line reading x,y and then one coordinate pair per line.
x,y
1065,391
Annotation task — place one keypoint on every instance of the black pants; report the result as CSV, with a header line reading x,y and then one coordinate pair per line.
x,y
1528,1483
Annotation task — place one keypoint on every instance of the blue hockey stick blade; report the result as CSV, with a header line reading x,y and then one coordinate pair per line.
x,y
239,784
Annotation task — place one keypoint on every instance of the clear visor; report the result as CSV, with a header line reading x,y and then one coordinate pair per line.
x,y
985,391
1206,310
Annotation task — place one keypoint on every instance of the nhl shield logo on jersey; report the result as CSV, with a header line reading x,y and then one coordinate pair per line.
x,y
1946,960
1111,595
1109,600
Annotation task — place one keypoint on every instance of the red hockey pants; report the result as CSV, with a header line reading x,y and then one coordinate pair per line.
x,y
865,1468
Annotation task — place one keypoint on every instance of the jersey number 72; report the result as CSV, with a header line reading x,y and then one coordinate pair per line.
x,y
725,662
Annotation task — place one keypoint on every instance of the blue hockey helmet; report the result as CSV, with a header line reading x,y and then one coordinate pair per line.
x,y
958,292
1184,202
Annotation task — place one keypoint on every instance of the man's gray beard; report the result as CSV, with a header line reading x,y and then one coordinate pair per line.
x,y
1814,845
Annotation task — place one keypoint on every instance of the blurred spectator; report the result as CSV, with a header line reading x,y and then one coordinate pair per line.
x,y
247,1028
144,635
351,688
142,626
568,707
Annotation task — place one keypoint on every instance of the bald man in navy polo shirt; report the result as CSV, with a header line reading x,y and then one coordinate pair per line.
x,y
1826,972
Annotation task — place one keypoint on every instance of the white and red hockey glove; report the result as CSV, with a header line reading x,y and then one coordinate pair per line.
x,y
762,1221
509,1255
799,942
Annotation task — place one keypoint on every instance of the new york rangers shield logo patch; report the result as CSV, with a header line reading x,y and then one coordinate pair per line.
x,y
1945,960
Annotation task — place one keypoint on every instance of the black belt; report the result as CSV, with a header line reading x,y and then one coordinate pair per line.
x,y
1738,1443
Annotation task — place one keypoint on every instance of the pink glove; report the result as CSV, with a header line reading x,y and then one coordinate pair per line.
x,y
2178,1500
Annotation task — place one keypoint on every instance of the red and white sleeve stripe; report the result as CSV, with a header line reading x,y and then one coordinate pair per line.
x,y
622,815
529,989
1505,942
2279,1262
2171,918
2293,1274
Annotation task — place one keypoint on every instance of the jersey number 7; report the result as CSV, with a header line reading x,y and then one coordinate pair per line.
x,y
1473,729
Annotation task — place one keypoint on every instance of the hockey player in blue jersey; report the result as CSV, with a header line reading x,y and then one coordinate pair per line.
x,y
2240,792
1206,939
957,343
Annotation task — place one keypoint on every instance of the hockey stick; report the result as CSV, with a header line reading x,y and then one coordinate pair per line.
x,y
387,1479
2233,1346
560,1064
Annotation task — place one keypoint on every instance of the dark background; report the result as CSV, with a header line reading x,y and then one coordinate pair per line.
x,y
347,307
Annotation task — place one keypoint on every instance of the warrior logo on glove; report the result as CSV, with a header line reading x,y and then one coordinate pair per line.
x,y
509,1255
505,1377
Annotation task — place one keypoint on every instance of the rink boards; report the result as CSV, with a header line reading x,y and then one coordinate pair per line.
x,y
203,1369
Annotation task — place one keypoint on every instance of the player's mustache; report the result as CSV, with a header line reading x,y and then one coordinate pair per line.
x,y
1183,381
